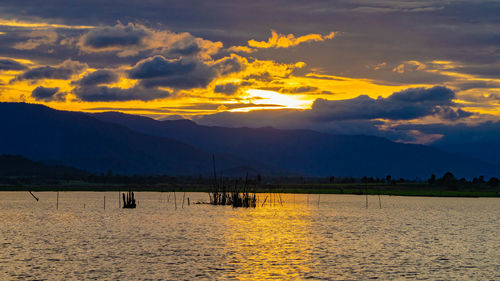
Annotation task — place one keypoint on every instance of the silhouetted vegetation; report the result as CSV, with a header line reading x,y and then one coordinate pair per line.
x,y
19,173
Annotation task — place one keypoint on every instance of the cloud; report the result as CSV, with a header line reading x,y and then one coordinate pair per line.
x,y
37,38
102,76
108,94
487,132
299,90
65,70
10,64
47,94
230,64
226,89
409,66
130,39
118,37
183,73
460,132
176,73
286,41
360,115
404,105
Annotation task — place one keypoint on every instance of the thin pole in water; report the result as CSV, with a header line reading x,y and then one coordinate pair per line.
x,y
175,200
264,201
319,198
36,198
366,196
183,197
379,201
104,202
57,201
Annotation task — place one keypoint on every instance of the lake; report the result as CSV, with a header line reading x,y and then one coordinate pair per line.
x,y
292,237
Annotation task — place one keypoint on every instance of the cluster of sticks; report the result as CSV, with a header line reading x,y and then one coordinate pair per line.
x,y
235,198
221,196
129,200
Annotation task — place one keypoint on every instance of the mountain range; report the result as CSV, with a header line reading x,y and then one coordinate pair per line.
x,y
132,144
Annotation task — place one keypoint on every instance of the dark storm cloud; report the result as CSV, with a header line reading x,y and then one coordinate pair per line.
x,y
114,36
102,76
159,66
404,105
8,64
183,73
227,89
104,93
47,94
64,70
178,74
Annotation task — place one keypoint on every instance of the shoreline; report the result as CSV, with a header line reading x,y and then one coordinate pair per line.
x,y
400,190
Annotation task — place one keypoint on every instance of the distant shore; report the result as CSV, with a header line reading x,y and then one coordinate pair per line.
x,y
408,189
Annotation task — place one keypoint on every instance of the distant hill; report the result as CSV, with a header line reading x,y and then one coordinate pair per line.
x,y
129,144
19,166
488,150
309,152
82,141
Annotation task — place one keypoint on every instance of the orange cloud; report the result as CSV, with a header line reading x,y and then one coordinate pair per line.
x,y
286,41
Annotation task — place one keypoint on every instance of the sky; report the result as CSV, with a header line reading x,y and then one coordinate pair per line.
x,y
410,71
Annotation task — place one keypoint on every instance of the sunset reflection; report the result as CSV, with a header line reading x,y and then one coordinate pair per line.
x,y
271,241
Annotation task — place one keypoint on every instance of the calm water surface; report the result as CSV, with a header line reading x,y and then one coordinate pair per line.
x,y
339,239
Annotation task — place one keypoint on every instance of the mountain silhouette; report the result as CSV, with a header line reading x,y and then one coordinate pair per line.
x,y
19,166
82,141
310,152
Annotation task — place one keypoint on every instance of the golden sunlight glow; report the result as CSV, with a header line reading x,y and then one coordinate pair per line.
x,y
272,99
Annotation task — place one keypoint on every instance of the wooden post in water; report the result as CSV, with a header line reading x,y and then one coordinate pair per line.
x,y
379,201
104,202
36,198
189,203
183,197
366,196
175,200
319,198
264,201
307,199
57,201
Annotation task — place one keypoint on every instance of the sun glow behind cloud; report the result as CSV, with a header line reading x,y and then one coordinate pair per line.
x,y
274,100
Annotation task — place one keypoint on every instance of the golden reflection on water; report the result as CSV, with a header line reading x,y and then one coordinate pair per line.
x,y
270,242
